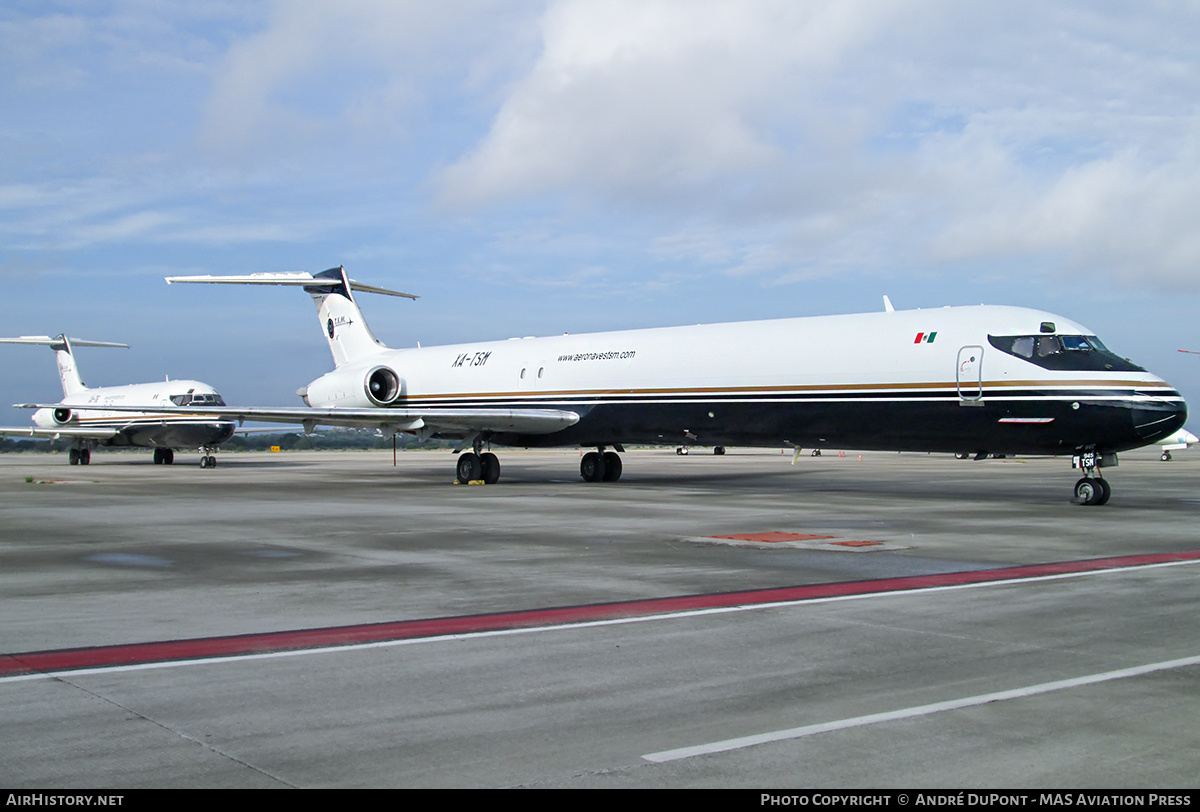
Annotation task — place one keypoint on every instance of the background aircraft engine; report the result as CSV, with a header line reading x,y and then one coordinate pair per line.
x,y
382,386
63,416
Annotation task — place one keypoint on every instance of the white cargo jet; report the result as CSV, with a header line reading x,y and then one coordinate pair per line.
x,y
979,380
99,417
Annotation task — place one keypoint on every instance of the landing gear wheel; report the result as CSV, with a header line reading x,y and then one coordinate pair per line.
x,y
85,456
469,468
1092,491
208,461
489,468
612,466
591,467
1166,456
73,456
682,450
168,456
719,450
816,452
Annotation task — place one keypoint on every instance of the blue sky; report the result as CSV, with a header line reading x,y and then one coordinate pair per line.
x,y
531,168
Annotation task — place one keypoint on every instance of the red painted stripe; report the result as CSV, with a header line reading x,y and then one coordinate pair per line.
x,y
773,536
170,650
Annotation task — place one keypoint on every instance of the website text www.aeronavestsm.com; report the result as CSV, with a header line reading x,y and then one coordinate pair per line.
x,y
598,356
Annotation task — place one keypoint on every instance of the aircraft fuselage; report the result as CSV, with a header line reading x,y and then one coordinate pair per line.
x,y
958,379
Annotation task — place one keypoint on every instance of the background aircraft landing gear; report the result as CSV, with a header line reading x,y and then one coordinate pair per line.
x,y
207,458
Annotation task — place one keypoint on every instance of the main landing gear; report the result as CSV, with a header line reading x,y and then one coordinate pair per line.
x,y
473,466
79,456
1092,489
600,466
483,467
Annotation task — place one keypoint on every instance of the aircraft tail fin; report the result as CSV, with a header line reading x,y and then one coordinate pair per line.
x,y
332,291
68,370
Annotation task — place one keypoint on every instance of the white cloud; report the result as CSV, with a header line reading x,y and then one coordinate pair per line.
x,y
806,138
329,75
655,98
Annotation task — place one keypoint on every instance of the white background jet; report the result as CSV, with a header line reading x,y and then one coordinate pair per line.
x,y
83,418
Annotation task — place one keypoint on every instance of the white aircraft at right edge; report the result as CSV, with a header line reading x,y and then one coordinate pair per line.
x,y
981,379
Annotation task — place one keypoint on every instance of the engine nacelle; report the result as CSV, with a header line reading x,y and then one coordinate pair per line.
x,y
64,416
351,388
382,386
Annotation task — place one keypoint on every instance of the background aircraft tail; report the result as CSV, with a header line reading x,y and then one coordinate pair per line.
x,y
68,370
341,319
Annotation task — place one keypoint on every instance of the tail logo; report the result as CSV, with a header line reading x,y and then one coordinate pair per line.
x,y
340,321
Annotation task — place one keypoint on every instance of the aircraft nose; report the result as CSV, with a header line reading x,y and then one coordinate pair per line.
x,y
1162,418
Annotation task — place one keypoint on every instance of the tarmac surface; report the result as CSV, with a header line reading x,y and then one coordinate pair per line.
x,y
327,619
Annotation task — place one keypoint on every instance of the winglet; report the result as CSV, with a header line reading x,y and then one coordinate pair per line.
x,y
887,304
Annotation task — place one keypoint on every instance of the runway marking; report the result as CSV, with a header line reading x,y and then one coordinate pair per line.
x,y
909,713
174,653
772,537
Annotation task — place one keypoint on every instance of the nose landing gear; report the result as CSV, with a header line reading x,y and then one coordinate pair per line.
x,y
1093,489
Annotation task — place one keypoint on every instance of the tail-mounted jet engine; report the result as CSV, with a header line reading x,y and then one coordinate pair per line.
x,y
63,416
382,386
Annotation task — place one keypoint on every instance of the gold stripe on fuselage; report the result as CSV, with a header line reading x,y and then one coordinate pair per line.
x,y
948,386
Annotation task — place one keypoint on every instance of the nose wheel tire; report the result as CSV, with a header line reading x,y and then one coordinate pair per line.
x,y
1092,491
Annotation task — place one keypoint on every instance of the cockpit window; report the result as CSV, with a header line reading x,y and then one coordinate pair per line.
x,y
1082,353
197,400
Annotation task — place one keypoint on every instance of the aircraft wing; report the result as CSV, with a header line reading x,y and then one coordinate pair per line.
x,y
427,421
57,432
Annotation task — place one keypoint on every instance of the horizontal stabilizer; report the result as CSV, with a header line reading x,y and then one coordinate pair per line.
x,y
57,341
298,279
